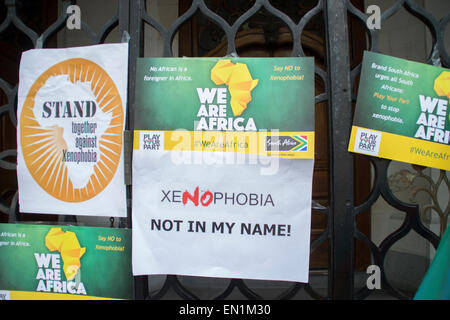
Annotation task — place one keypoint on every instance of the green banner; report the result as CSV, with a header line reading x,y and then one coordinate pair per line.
x,y
64,262
255,94
402,111
394,93
436,283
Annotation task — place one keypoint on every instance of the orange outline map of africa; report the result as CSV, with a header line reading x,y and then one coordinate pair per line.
x,y
44,143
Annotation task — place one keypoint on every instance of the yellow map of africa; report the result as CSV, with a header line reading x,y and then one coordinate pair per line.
x,y
442,86
67,244
239,82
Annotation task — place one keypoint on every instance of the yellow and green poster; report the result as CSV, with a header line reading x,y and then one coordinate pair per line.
x,y
223,157
43,262
402,111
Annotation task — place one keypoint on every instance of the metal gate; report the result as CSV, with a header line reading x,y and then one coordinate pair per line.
x,y
340,80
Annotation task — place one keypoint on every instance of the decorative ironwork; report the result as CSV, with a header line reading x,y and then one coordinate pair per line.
x,y
381,187
404,180
435,204
339,79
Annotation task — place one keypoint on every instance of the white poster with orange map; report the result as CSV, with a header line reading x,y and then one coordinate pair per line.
x,y
70,113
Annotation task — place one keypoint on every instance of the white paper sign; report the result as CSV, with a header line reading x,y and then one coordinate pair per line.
x,y
71,115
235,223
216,193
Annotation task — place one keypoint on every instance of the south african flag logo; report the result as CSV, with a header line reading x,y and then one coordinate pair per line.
x,y
302,143
291,143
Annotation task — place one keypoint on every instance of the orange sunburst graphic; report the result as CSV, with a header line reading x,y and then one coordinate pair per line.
x,y
43,145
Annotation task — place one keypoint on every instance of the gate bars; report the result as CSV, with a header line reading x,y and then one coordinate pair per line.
x,y
339,79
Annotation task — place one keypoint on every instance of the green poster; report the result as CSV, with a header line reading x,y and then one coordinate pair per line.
x,y
402,111
64,262
276,93
207,104
223,158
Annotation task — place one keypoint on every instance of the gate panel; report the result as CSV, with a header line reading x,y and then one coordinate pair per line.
x,y
22,32
340,119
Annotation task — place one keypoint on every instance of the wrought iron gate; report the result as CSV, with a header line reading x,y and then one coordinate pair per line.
x,y
339,79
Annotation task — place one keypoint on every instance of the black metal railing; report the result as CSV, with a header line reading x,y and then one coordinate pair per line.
x,y
339,79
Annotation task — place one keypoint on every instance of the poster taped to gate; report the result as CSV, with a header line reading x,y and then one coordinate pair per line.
x,y
223,157
64,262
402,111
71,116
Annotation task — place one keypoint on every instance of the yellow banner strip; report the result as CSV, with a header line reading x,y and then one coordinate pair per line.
x,y
407,149
29,295
294,145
